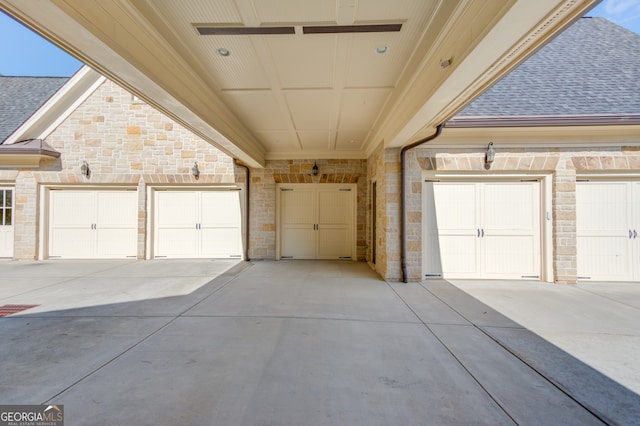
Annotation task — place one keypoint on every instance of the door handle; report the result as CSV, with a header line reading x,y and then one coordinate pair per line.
x,y
478,232
635,234
630,234
483,233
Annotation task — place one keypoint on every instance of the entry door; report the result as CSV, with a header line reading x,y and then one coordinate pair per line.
x,y
608,230
316,221
198,224
481,230
6,222
93,224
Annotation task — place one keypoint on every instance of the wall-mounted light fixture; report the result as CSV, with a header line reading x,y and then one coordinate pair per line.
x,y
195,171
489,156
85,170
315,169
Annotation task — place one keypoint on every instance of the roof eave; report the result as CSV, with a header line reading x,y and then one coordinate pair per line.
x,y
544,121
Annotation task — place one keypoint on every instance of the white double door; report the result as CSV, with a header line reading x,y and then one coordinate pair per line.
x,y
481,230
198,224
6,221
316,221
86,224
608,230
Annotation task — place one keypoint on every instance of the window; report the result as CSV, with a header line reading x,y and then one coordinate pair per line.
x,y
6,206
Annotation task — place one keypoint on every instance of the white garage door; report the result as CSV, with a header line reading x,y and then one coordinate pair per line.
x,y
198,224
608,230
481,230
85,224
316,221
6,222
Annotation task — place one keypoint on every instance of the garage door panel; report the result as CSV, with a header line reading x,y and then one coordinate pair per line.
x,y
333,207
221,209
449,197
176,242
513,256
604,258
603,206
221,242
116,242
72,209
508,206
299,207
73,243
334,243
458,255
295,243
176,209
117,209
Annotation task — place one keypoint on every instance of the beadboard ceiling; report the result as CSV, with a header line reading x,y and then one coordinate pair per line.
x,y
281,79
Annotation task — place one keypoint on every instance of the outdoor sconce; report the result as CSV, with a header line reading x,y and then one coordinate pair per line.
x,y
315,169
195,171
489,156
85,170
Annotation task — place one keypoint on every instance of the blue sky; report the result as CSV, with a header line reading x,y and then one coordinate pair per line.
x,y
30,55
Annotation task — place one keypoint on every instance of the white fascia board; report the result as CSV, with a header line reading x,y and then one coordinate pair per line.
x,y
58,108
570,137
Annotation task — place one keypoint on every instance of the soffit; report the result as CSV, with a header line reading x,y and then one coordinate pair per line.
x,y
302,95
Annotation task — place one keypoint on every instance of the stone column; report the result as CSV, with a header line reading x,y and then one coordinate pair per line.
x,y
565,265
26,217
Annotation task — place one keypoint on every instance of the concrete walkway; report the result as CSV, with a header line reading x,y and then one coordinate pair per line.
x,y
281,343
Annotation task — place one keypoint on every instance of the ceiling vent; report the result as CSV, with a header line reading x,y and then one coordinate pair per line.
x,y
204,29
339,29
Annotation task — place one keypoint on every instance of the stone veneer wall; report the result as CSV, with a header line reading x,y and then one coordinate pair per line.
x,y
564,165
384,168
125,142
263,197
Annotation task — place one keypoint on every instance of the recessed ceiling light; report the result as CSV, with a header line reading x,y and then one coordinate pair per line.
x,y
381,50
223,52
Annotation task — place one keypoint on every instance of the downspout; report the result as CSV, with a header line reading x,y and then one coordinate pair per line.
x,y
246,207
403,221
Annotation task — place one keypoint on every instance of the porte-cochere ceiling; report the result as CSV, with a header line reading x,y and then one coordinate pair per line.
x,y
284,79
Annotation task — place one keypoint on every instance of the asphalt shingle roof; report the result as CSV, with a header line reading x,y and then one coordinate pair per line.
x,y
21,97
592,68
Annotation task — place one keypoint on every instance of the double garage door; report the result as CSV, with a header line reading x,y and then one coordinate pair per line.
x,y
482,230
197,224
316,221
94,224
85,224
608,230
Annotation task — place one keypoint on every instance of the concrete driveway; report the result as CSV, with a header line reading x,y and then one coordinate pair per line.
x,y
279,343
